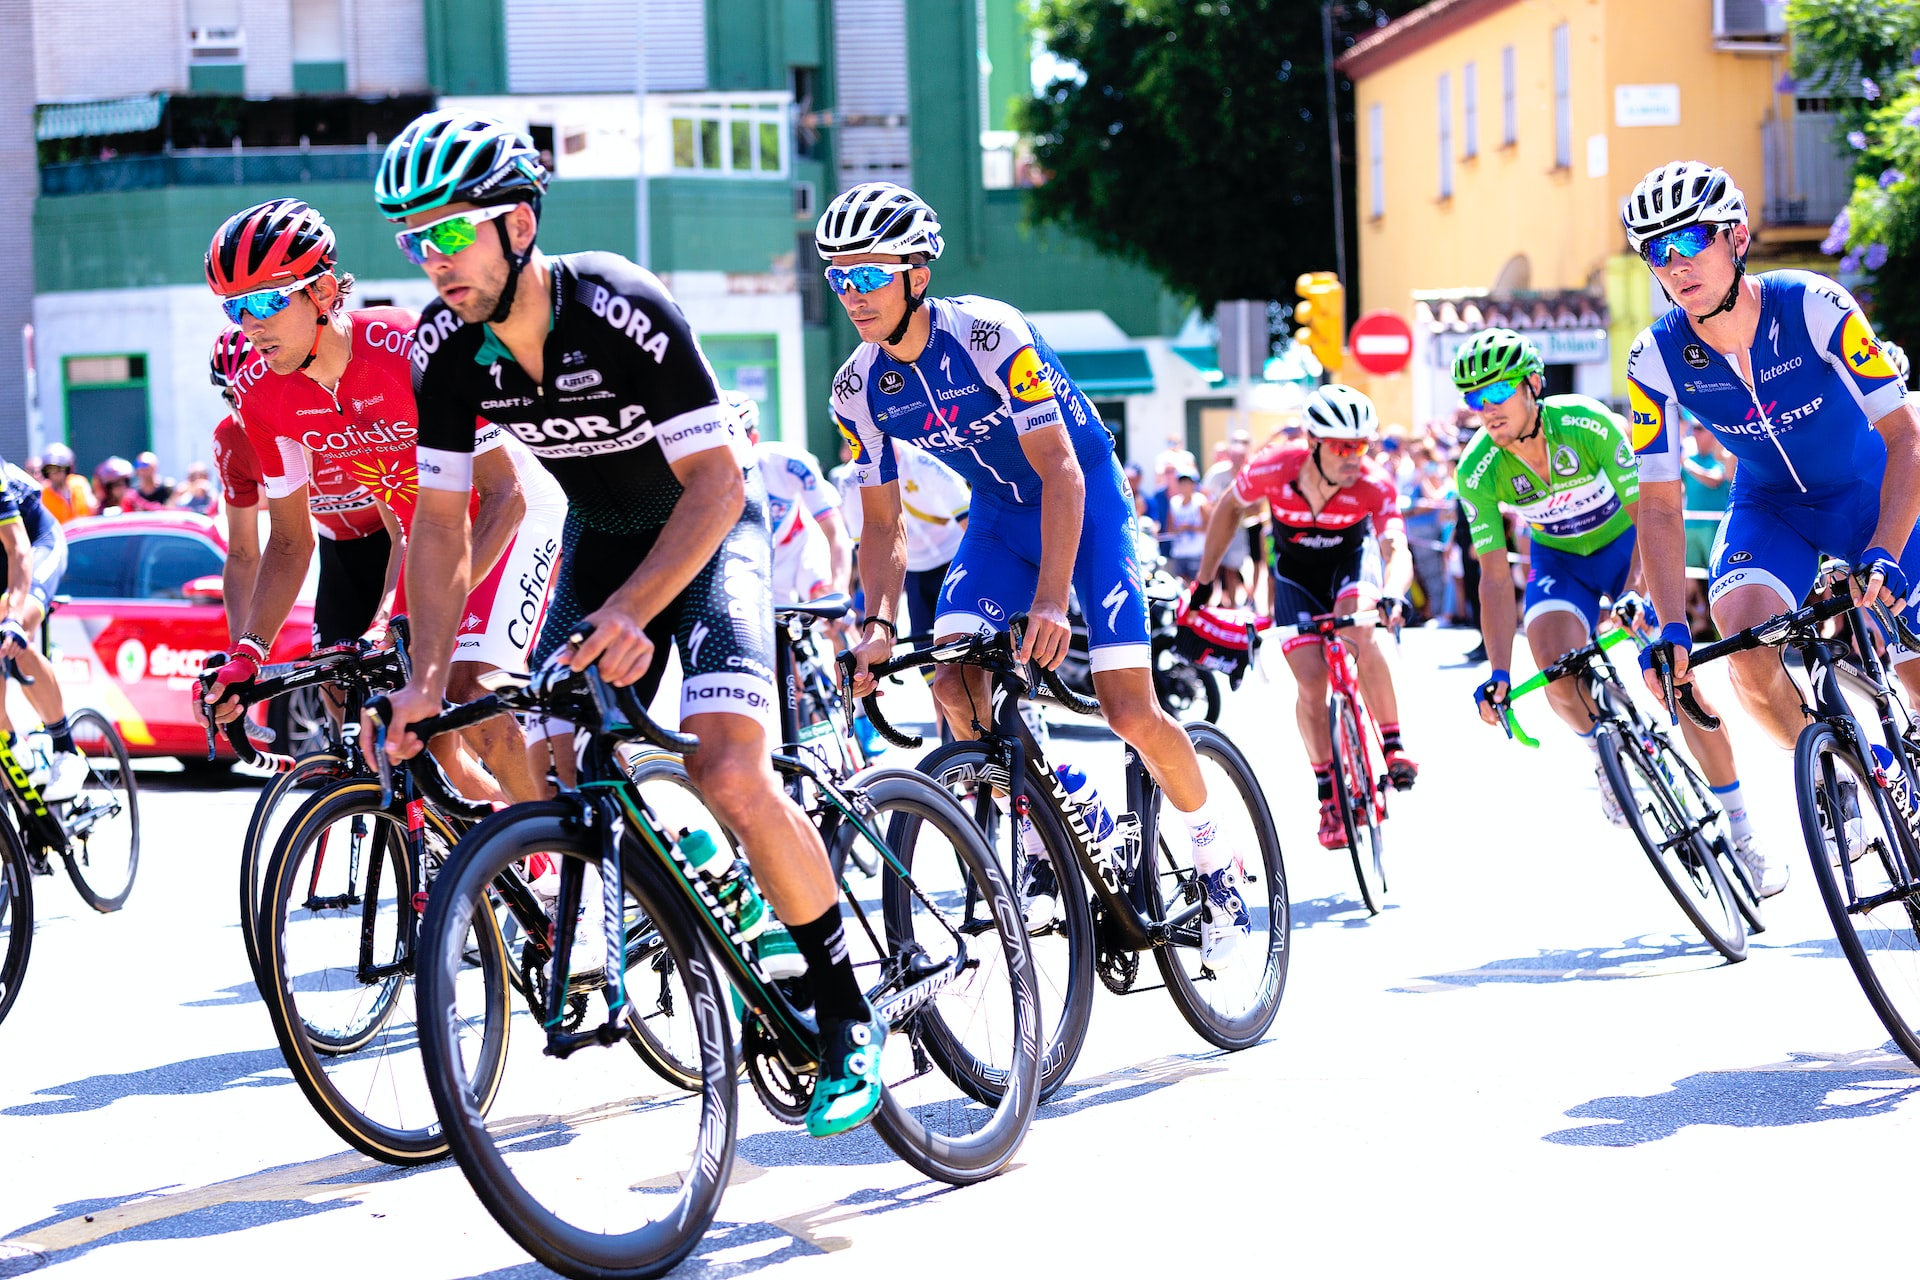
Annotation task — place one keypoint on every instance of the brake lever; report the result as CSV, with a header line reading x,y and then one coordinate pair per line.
x,y
1663,660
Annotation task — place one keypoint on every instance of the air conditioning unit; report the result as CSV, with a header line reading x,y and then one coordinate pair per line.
x,y
1749,19
217,44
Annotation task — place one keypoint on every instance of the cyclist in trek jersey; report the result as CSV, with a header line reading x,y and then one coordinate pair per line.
x,y
36,558
338,388
968,380
811,556
360,539
1339,545
1786,372
588,361
1565,464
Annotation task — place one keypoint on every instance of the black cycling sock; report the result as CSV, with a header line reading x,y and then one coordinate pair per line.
x,y
836,992
1390,738
1323,780
62,736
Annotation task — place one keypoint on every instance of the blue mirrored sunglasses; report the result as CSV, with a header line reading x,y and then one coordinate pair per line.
x,y
265,303
1688,242
866,277
1492,394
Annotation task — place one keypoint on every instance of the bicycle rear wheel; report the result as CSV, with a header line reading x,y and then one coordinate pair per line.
x,y
1064,948
102,822
338,951
1232,1009
277,804
16,915
1873,894
1671,839
1353,787
594,1165
1697,798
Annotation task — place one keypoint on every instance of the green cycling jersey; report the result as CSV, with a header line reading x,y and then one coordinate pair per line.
x,y
1580,505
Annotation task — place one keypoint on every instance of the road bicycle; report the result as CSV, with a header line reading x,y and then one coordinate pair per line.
x,y
1186,691
1145,896
1671,811
1855,796
593,1173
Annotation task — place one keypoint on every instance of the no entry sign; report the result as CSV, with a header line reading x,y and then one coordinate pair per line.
x,y
1381,342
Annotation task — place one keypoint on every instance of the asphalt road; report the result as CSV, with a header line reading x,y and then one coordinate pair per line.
x,y
1523,1066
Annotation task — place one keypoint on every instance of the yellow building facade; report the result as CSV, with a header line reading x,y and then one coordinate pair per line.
x,y
1496,140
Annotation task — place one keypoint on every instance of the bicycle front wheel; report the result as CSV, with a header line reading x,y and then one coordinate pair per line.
x,y
337,930
1697,798
1353,788
102,822
597,1167
1232,1008
277,804
1644,786
16,915
1865,862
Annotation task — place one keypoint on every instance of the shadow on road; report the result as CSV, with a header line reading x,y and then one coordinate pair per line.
x,y
243,1070
1645,956
1807,1090
1341,909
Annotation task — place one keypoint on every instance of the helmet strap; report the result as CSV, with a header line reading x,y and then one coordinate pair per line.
x,y
516,262
319,327
906,317
1331,482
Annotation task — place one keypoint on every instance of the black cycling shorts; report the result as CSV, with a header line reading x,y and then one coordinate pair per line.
x,y
722,624
352,575
49,555
1312,585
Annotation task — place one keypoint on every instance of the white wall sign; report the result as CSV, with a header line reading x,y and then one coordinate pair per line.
x,y
1597,156
1641,106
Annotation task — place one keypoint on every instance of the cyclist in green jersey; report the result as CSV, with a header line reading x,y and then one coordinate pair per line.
x,y
1566,465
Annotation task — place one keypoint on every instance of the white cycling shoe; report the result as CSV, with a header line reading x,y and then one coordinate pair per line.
x,y
1224,921
66,774
1767,875
1856,827
1609,803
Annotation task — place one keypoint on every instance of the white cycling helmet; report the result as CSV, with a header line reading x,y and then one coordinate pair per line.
x,y
878,217
745,409
1678,195
1335,412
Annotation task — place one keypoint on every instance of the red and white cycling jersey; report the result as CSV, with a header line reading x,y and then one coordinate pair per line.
x,y
343,509
1370,504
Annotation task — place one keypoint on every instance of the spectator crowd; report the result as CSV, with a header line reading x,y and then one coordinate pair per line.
x,y
118,485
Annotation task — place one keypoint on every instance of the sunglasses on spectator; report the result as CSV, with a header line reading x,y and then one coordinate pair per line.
x,y
264,303
1688,242
866,278
448,235
1492,394
1344,448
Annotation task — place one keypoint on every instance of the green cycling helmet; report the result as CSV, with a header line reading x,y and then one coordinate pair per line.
x,y
457,157
1495,355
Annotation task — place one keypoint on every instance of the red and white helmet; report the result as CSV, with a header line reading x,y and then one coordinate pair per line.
x,y
231,354
271,245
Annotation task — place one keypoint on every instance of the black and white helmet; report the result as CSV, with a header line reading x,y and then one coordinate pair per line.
x,y
1678,195
878,217
1336,412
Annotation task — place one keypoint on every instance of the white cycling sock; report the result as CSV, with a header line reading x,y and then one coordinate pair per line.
x,y
1210,852
1030,840
1736,806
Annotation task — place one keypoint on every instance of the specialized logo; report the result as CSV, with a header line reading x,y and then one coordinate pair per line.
x,y
577,381
1862,351
1028,378
985,336
1647,415
1565,461
1545,583
891,383
696,638
953,580
1112,603
1696,355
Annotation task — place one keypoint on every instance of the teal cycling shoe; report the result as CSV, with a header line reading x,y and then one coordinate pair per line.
x,y
848,1089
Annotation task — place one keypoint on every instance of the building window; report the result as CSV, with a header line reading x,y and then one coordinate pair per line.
x,y
216,47
1376,163
1446,136
730,139
1470,109
1562,98
1509,117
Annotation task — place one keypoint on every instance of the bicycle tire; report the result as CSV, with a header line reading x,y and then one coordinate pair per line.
x,y
104,877
1248,1027
1353,790
1746,894
16,915
1064,974
1814,790
343,1070
1182,688
1710,904
256,848
658,1246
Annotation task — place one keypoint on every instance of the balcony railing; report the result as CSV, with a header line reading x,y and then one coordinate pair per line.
x,y
1808,176
282,166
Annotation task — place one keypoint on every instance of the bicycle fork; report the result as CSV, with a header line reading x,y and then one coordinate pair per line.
x,y
601,815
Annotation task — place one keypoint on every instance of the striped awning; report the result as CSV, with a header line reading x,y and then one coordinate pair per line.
x,y
54,120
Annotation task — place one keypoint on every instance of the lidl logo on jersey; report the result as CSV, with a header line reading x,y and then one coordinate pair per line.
x,y
1648,418
1861,349
852,439
1028,377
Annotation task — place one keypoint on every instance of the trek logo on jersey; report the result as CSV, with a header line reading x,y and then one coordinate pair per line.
x,y
577,381
1649,419
1028,377
1861,350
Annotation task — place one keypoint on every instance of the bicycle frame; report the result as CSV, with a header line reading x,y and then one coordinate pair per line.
x,y
1343,679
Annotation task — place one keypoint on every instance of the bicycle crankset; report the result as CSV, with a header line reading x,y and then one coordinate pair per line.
x,y
784,1092
533,978
1118,967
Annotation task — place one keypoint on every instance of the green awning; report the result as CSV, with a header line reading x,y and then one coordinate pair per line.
x,y
1205,359
1122,372
97,119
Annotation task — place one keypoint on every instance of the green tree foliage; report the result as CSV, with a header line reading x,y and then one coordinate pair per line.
x,y
1875,45
1197,144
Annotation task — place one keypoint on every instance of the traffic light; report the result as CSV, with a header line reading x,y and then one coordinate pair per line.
x,y
1322,315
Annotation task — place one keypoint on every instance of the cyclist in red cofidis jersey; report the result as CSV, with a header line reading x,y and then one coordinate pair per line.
x,y
338,391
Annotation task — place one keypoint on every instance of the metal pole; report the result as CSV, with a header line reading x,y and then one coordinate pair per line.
x,y
1333,138
642,216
